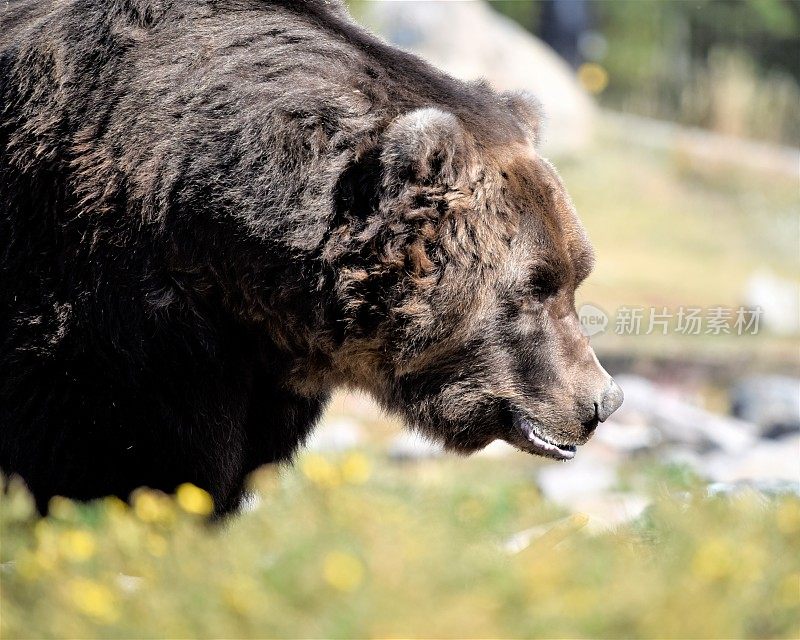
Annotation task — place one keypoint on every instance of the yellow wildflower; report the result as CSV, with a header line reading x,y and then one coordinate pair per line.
x,y
343,571
593,77
152,506
320,471
93,599
114,506
193,499
76,545
356,468
712,560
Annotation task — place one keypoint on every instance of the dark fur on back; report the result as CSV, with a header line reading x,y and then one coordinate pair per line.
x,y
212,213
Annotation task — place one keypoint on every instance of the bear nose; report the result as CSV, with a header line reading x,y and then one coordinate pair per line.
x,y
609,402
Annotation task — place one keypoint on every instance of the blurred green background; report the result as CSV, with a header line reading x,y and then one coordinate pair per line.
x,y
675,128
729,66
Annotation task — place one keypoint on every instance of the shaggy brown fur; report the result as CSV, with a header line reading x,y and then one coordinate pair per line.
x,y
214,212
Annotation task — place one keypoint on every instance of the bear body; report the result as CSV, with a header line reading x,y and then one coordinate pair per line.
x,y
212,214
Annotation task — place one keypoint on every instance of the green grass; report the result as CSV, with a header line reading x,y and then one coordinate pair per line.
x,y
356,546
668,235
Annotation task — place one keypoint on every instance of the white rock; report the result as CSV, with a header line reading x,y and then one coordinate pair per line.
x,y
497,449
779,300
412,446
629,437
338,434
766,460
566,483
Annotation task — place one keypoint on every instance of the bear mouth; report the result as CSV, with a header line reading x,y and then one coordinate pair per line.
x,y
534,442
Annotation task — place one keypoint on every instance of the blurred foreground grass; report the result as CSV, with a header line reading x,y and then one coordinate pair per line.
x,y
356,546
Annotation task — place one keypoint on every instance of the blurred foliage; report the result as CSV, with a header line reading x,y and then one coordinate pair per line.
x,y
353,546
728,65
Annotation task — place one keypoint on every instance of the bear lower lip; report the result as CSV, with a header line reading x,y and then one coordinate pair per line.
x,y
539,445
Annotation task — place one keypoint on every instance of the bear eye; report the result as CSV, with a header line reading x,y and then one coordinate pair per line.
x,y
543,285
542,290
535,291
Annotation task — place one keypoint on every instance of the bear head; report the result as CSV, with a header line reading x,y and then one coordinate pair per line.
x,y
457,289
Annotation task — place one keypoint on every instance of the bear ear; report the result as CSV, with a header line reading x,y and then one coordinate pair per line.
x,y
425,145
527,110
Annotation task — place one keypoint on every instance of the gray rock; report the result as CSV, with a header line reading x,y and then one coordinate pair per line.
x,y
679,421
764,488
771,402
766,460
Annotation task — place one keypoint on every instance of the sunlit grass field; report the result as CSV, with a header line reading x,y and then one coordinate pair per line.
x,y
672,233
353,545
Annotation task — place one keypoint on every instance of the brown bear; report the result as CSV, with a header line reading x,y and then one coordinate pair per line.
x,y
215,212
